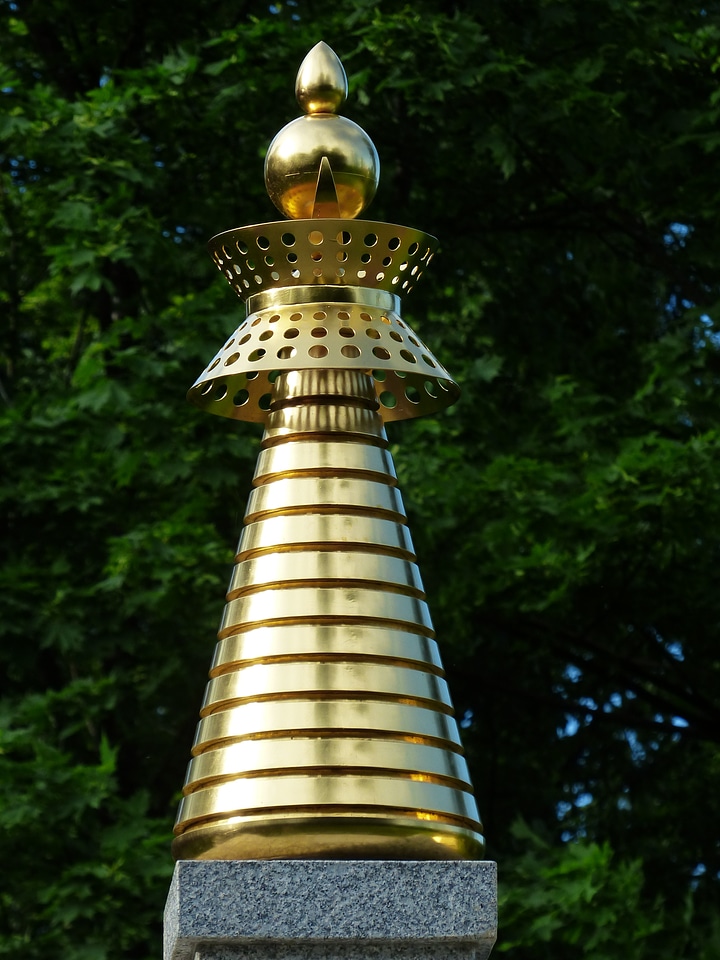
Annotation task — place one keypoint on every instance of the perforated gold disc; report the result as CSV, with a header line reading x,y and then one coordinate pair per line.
x,y
355,253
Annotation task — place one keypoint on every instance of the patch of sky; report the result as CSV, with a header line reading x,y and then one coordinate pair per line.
x,y
623,803
677,234
276,8
674,304
699,870
581,798
467,719
614,701
674,648
21,172
637,751
104,78
571,727
660,721
7,90
588,702
579,834
680,722
709,333
572,673
179,234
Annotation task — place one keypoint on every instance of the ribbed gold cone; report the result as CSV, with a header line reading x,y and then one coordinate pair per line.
x,y
326,728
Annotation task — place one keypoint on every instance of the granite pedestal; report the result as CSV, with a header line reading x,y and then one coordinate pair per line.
x,y
331,910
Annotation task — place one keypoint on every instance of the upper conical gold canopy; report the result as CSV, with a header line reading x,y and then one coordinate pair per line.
x,y
327,728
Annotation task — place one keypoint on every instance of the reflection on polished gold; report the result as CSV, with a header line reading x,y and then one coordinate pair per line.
x,y
321,165
327,728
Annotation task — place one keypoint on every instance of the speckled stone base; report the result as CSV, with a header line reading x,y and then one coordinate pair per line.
x,y
331,910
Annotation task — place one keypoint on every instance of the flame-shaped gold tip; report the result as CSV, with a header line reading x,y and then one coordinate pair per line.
x,y
321,165
321,85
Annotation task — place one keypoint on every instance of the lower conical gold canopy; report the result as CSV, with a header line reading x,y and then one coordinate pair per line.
x,y
327,729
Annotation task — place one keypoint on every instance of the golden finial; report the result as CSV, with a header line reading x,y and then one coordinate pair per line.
x,y
321,165
321,85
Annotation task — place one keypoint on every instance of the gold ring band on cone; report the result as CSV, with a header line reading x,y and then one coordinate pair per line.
x,y
251,758
331,836
297,643
266,720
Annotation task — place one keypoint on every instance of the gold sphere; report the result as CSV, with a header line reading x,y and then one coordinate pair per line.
x,y
321,165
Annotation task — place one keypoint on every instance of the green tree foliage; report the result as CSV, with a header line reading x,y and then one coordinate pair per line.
x,y
566,512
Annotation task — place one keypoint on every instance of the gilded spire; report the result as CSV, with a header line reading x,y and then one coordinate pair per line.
x,y
327,728
321,164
